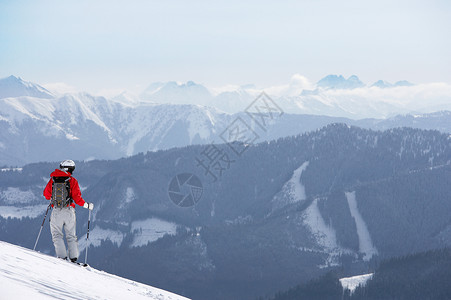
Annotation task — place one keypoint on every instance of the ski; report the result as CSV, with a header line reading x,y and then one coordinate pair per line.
x,y
76,263
80,264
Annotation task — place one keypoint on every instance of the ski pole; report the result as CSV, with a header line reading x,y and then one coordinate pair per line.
x,y
87,238
42,225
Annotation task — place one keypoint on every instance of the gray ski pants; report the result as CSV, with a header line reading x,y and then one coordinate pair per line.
x,y
64,218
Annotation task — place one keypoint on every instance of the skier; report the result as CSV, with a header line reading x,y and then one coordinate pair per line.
x,y
63,190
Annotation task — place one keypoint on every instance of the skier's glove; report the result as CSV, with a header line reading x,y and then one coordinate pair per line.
x,y
89,206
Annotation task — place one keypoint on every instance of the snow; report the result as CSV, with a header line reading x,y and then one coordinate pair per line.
x,y
26,274
98,234
147,119
129,195
325,235
14,195
297,189
150,230
292,191
15,212
71,137
84,105
10,169
351,283
200,123
365,243
14,86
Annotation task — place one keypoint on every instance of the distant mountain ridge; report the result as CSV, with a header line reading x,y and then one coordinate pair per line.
x,y
339,82
323,98
34,122
15,87
353,82
175,93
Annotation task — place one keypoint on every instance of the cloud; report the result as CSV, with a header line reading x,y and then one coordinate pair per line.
x,y
60,88
297,84
301,96
110,93
375,102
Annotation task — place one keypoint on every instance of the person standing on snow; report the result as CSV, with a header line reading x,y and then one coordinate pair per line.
x,y
63,190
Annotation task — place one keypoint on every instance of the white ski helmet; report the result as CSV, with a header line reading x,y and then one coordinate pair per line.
x,y
67,165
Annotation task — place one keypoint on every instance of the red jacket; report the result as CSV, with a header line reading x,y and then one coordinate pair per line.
x,y
75,193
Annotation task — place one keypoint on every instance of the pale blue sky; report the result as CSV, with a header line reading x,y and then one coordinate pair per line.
x,y
95,45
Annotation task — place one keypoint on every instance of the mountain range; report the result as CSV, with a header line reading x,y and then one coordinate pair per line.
x,y
277,214
333,95
37,126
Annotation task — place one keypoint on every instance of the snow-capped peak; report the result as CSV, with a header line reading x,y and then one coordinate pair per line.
x,y
13,86
403,83
177,93
382,84
339,82
126,98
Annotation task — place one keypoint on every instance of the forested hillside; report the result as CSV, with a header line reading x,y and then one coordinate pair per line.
x,y
423,275
275,214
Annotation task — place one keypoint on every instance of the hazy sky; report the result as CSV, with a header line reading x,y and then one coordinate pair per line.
x,y
99,45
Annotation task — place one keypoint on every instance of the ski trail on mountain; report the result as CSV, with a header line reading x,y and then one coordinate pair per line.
x,y
366,246
325,235
292,191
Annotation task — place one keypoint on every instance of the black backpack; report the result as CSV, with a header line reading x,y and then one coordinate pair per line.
x,y
61,192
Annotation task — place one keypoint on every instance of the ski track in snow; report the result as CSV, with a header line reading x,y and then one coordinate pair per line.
x,y
325,235
292,191
129,195
26,274
366,246
296,188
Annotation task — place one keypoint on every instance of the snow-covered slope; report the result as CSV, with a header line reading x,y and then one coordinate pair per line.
x,y
36,126
292,192
351,283
26,274
175,93
85,127
366,246
15,87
